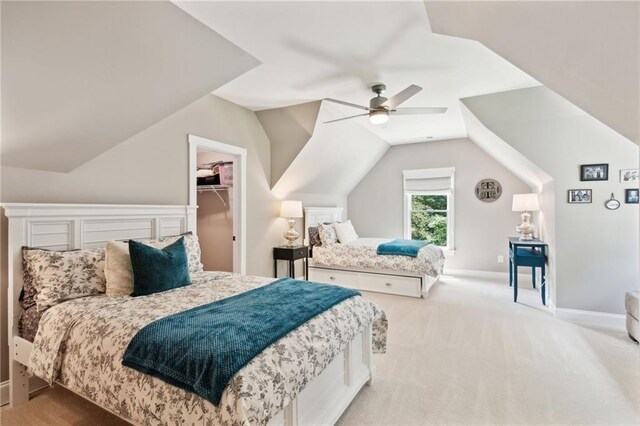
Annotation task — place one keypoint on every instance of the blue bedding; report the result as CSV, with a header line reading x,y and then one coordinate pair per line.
x,y
201,349
401,247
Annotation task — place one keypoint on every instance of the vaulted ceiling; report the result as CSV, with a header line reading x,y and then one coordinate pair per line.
x,y
587,52
79,78
312,50
82,77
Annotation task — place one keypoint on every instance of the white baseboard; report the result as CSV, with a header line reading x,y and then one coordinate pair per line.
x,y
551,305
4,392
486,274
35,384
591,318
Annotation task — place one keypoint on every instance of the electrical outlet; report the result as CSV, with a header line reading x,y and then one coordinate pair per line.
x,y
500,259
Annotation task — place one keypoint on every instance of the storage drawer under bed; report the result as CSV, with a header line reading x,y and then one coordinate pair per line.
x,y
330,276
403,286
380,283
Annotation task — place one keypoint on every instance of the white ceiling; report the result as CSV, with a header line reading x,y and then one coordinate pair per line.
x,y
312,50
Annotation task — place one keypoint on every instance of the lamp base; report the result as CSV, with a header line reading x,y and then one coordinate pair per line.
x,y
291,235
526,228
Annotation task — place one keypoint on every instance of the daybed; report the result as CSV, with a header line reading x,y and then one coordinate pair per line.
x,y
356,264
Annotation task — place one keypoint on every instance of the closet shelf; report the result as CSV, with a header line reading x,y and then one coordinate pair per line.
x,y
212,188
215,189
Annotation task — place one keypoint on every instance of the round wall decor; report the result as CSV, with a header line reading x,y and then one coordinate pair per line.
x,y
612,203
488,190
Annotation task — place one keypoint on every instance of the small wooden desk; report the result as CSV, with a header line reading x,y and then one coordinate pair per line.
x,y
530,253
291,253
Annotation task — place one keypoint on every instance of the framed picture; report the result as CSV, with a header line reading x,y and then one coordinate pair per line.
x,y
590,172
579,196
629,175
632,196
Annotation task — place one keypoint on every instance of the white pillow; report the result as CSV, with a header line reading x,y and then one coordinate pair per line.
x,y
345,232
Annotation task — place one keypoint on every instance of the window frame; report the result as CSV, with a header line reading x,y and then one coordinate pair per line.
x,y
449,249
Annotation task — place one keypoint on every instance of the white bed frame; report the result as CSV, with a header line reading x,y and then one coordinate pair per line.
x,y
72,226
392,282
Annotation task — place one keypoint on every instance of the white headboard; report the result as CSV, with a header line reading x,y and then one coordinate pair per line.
x,y
314,216
79,226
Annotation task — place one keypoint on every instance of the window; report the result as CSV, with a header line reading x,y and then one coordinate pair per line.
x,y
428,210
429,214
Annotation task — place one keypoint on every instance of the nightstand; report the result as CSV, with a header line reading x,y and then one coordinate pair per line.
x,y
531,253
291,253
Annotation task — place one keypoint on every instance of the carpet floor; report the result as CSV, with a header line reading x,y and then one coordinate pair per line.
x,y
465,355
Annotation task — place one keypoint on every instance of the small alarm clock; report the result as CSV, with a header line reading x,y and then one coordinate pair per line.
x,y
612,203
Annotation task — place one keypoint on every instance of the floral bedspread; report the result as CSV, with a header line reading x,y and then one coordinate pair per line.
x,y
361,254
80,344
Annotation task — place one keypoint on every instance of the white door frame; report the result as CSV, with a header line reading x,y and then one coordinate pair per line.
x,y
239,193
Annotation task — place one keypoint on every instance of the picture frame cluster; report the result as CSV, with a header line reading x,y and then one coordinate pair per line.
x,y
600,172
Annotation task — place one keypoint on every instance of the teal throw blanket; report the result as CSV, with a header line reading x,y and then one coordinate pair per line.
x,y
201,349
402,247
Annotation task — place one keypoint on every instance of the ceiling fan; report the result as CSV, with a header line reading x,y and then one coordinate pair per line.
x,y
380,107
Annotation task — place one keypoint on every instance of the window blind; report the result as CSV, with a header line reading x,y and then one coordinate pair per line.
x,y
433,184
429,180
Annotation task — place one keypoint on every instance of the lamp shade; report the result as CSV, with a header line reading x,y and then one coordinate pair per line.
x,y
525,203
291,208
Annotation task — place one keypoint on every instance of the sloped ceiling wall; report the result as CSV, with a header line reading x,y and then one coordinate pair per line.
x,y
289,129
334,160
588,52
78,78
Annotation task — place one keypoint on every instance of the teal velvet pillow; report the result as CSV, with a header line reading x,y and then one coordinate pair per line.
x,y
156,270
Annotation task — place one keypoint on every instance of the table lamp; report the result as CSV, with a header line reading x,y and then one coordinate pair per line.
x,y
525,203
291,209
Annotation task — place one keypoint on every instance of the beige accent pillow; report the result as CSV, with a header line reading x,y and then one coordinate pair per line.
x,y
117,268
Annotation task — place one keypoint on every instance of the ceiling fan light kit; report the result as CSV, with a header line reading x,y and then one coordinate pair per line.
x,y
379,116
380,107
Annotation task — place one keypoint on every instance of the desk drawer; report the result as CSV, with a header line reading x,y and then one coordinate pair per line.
x,y
341,278
403,286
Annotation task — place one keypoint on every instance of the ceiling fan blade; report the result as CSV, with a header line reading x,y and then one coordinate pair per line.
x,y
426,110
345,118
347,104
396,100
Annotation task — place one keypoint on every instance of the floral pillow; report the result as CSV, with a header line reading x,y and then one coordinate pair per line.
x,y
28,295
327,234
191,244
63,275
314,236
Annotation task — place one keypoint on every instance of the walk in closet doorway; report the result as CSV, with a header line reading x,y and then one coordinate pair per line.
x,y
217,176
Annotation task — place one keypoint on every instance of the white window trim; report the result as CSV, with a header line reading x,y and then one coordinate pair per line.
x,y
426,174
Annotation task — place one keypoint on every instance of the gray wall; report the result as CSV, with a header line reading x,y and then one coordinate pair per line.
x,y
595,252
481,229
